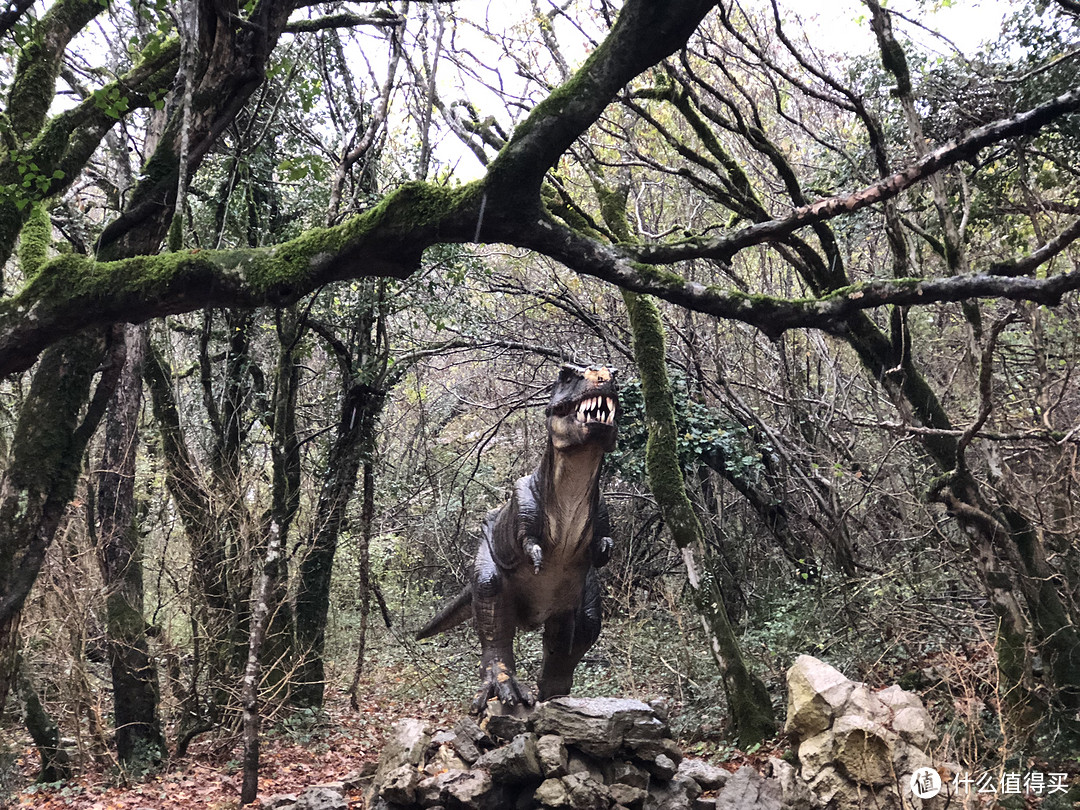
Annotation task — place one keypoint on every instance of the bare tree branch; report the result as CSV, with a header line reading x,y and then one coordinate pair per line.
x,y
723,248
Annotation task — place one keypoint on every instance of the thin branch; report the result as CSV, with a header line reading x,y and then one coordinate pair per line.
x,y
964,148
343,20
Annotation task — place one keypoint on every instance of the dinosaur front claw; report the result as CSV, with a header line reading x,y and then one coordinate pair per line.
x,y
499,683
536,554
602,551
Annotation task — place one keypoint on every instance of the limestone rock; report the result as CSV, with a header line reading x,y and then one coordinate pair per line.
x,y
896,698
280,801
749,790
864,750
553,755
816,753
827,785
864,703
662,708
470,729
662,767
582,763
445,758
399,785
406,745
816,694
577,791
678,794
649,750
627,773
586,793
552,793
469,739
794,793
515,762
632,798
320,798
505,726
472,789
914,726
708,776
598,726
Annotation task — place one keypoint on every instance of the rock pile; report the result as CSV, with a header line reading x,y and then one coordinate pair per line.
x,y
573,753
857,748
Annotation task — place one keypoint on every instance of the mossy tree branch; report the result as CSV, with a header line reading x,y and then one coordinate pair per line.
x,y
389,239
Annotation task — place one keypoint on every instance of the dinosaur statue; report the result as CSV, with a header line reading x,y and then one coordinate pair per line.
x,y
539,552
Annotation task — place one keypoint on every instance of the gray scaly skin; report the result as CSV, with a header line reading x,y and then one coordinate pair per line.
x,y
539,552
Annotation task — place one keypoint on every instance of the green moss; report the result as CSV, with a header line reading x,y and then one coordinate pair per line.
x,y
661,456
44,452
390,239
613,210
39,63
34,241
748,700
175,240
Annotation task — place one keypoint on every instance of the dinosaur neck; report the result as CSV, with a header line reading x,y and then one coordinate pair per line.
x,y
570,488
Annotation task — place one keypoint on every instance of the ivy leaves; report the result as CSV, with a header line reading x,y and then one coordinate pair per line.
x,y
703,433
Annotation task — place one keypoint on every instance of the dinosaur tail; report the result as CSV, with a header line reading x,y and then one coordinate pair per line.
x,y
456,612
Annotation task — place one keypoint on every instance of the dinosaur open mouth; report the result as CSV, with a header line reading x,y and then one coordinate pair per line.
x,y
597,409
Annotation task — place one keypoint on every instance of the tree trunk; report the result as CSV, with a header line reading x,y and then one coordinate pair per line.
x,y
367,515
250,694
46,458
139,740
212,617
748,700
278,650
55,763
355,434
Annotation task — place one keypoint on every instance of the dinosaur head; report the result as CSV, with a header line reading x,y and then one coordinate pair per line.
x,y
584,408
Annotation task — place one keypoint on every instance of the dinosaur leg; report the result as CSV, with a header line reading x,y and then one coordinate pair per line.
x,y
495,624
567,637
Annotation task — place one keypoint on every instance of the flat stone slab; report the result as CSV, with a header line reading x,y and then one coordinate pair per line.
x,y
598,726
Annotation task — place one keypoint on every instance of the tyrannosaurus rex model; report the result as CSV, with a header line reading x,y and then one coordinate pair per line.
x,y
539,551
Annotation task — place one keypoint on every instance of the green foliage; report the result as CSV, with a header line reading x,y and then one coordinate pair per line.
x,y
33,182
111,101
702,432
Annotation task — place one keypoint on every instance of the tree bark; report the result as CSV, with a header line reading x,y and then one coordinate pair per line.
x,y
46,457
213,613
55,762
748,700
278,647
367,516
356,427
139,739
250,691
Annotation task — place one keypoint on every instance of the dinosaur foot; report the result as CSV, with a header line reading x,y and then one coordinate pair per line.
x,y
500,684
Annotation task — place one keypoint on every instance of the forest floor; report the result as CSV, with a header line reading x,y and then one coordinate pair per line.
x,y
208,778
293,757
435,682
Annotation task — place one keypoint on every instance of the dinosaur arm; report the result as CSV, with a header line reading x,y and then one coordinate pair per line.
x,y
602,542
529,522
